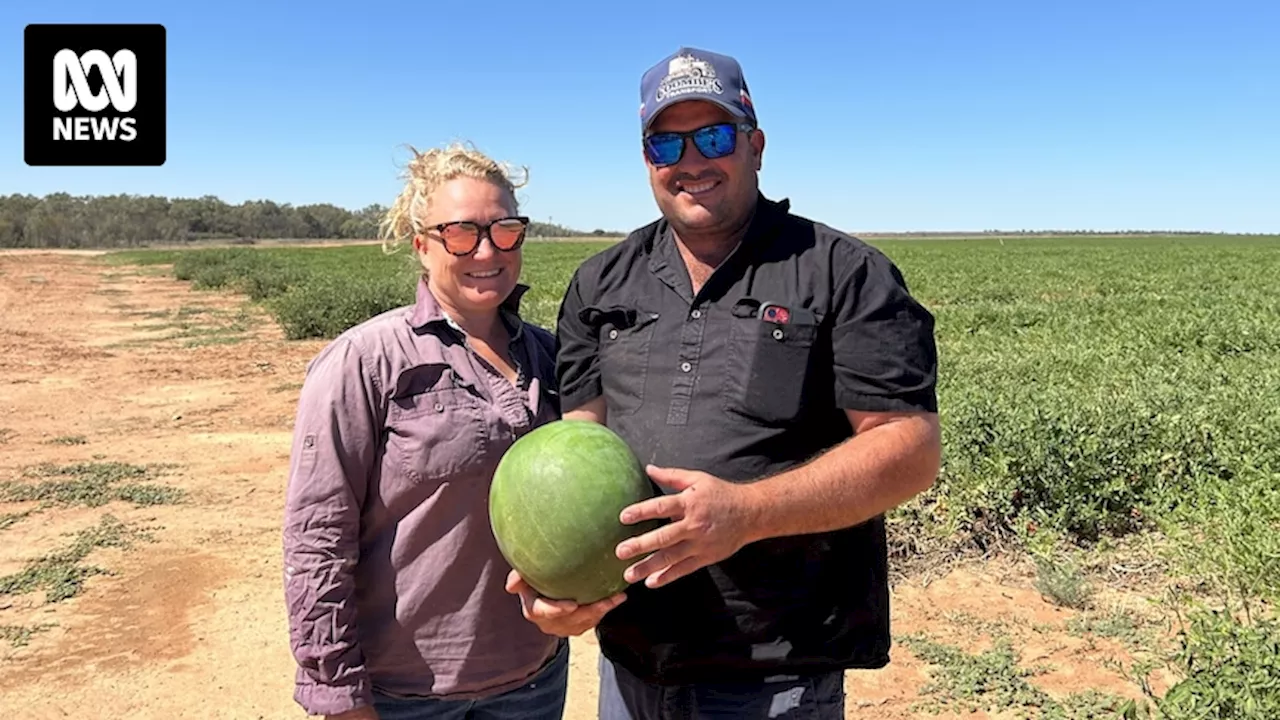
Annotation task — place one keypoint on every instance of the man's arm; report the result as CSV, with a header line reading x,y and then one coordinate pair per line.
x,y
593,410
885,369
578,351
333,449
892,458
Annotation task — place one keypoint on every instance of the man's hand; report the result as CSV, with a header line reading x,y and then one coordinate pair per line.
x,y
364,713
559,617
711,519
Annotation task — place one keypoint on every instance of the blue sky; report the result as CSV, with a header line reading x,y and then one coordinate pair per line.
x,y
886,116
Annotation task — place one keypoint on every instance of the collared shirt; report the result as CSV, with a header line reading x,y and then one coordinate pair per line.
x,y
748,378
393,579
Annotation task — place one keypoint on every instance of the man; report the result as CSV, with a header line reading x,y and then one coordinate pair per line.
x,y
779,381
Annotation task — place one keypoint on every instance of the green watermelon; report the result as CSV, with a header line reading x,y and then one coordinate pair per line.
x,y
554,506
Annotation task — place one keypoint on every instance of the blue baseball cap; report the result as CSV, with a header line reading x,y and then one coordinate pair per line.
x,y
693,74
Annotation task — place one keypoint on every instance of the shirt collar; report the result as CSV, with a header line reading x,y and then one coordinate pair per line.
x,y
427,310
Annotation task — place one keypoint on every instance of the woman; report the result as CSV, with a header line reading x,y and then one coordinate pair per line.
x,y
393,581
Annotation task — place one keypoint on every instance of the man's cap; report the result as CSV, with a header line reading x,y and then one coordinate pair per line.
x,y
693,74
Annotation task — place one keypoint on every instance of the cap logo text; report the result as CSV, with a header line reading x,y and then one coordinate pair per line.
x,y
687,74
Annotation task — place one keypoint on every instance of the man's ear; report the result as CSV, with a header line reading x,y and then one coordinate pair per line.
x,y
757,146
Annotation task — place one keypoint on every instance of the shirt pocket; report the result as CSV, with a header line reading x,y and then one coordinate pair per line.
x,y
767,367
437,434
626,334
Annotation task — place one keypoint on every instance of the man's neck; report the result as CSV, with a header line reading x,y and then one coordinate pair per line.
x,y
703,254
711,249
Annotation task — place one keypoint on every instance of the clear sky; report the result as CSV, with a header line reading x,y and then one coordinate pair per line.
x,y
1088,114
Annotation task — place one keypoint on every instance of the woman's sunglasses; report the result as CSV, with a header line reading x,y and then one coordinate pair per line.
x,y
462,237
713,141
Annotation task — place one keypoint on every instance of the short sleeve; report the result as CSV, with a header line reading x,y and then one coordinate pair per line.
x,y
577,357
883,343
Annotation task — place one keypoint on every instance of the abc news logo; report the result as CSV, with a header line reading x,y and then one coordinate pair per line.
x,y
95,95
71,90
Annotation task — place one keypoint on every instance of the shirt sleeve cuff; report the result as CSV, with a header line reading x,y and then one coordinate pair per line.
x,y
580,395
320,699
921,401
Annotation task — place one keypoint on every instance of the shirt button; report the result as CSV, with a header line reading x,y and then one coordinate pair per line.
x,y
777,334
613,334
685,366
439,407
695,314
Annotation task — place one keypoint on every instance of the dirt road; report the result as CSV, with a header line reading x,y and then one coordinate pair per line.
x,y
106,365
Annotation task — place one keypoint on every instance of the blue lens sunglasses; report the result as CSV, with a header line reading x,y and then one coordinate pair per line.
x,y
713,141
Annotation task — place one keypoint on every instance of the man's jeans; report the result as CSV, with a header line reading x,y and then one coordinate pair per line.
x,y
811,697
542,698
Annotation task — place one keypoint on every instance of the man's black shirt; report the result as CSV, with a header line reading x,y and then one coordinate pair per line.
x,y
749,378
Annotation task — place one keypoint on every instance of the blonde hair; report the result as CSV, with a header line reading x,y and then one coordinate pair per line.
x,y
433,168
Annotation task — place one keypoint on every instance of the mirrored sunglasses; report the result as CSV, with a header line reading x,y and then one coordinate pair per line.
x,y
713,141
462,237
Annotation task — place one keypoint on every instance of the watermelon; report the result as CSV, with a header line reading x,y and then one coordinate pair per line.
x,y
554,505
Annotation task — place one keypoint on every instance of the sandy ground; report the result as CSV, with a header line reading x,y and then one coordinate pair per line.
x,y
191,624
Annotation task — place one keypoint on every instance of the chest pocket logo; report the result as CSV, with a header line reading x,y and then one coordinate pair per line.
x,y
626,334
770,349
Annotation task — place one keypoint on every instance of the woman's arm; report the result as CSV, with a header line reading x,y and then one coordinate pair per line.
x,y
334,450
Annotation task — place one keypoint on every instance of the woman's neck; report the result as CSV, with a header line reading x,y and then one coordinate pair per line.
x,y
486,325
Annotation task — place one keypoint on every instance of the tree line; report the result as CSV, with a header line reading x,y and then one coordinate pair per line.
x,y
61,220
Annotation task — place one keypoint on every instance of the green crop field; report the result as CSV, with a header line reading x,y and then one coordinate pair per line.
x,y
1105,401
317,292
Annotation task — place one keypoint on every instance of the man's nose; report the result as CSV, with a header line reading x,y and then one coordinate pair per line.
x,y
691,160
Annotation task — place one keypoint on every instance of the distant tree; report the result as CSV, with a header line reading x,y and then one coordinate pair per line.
x,y
61,220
